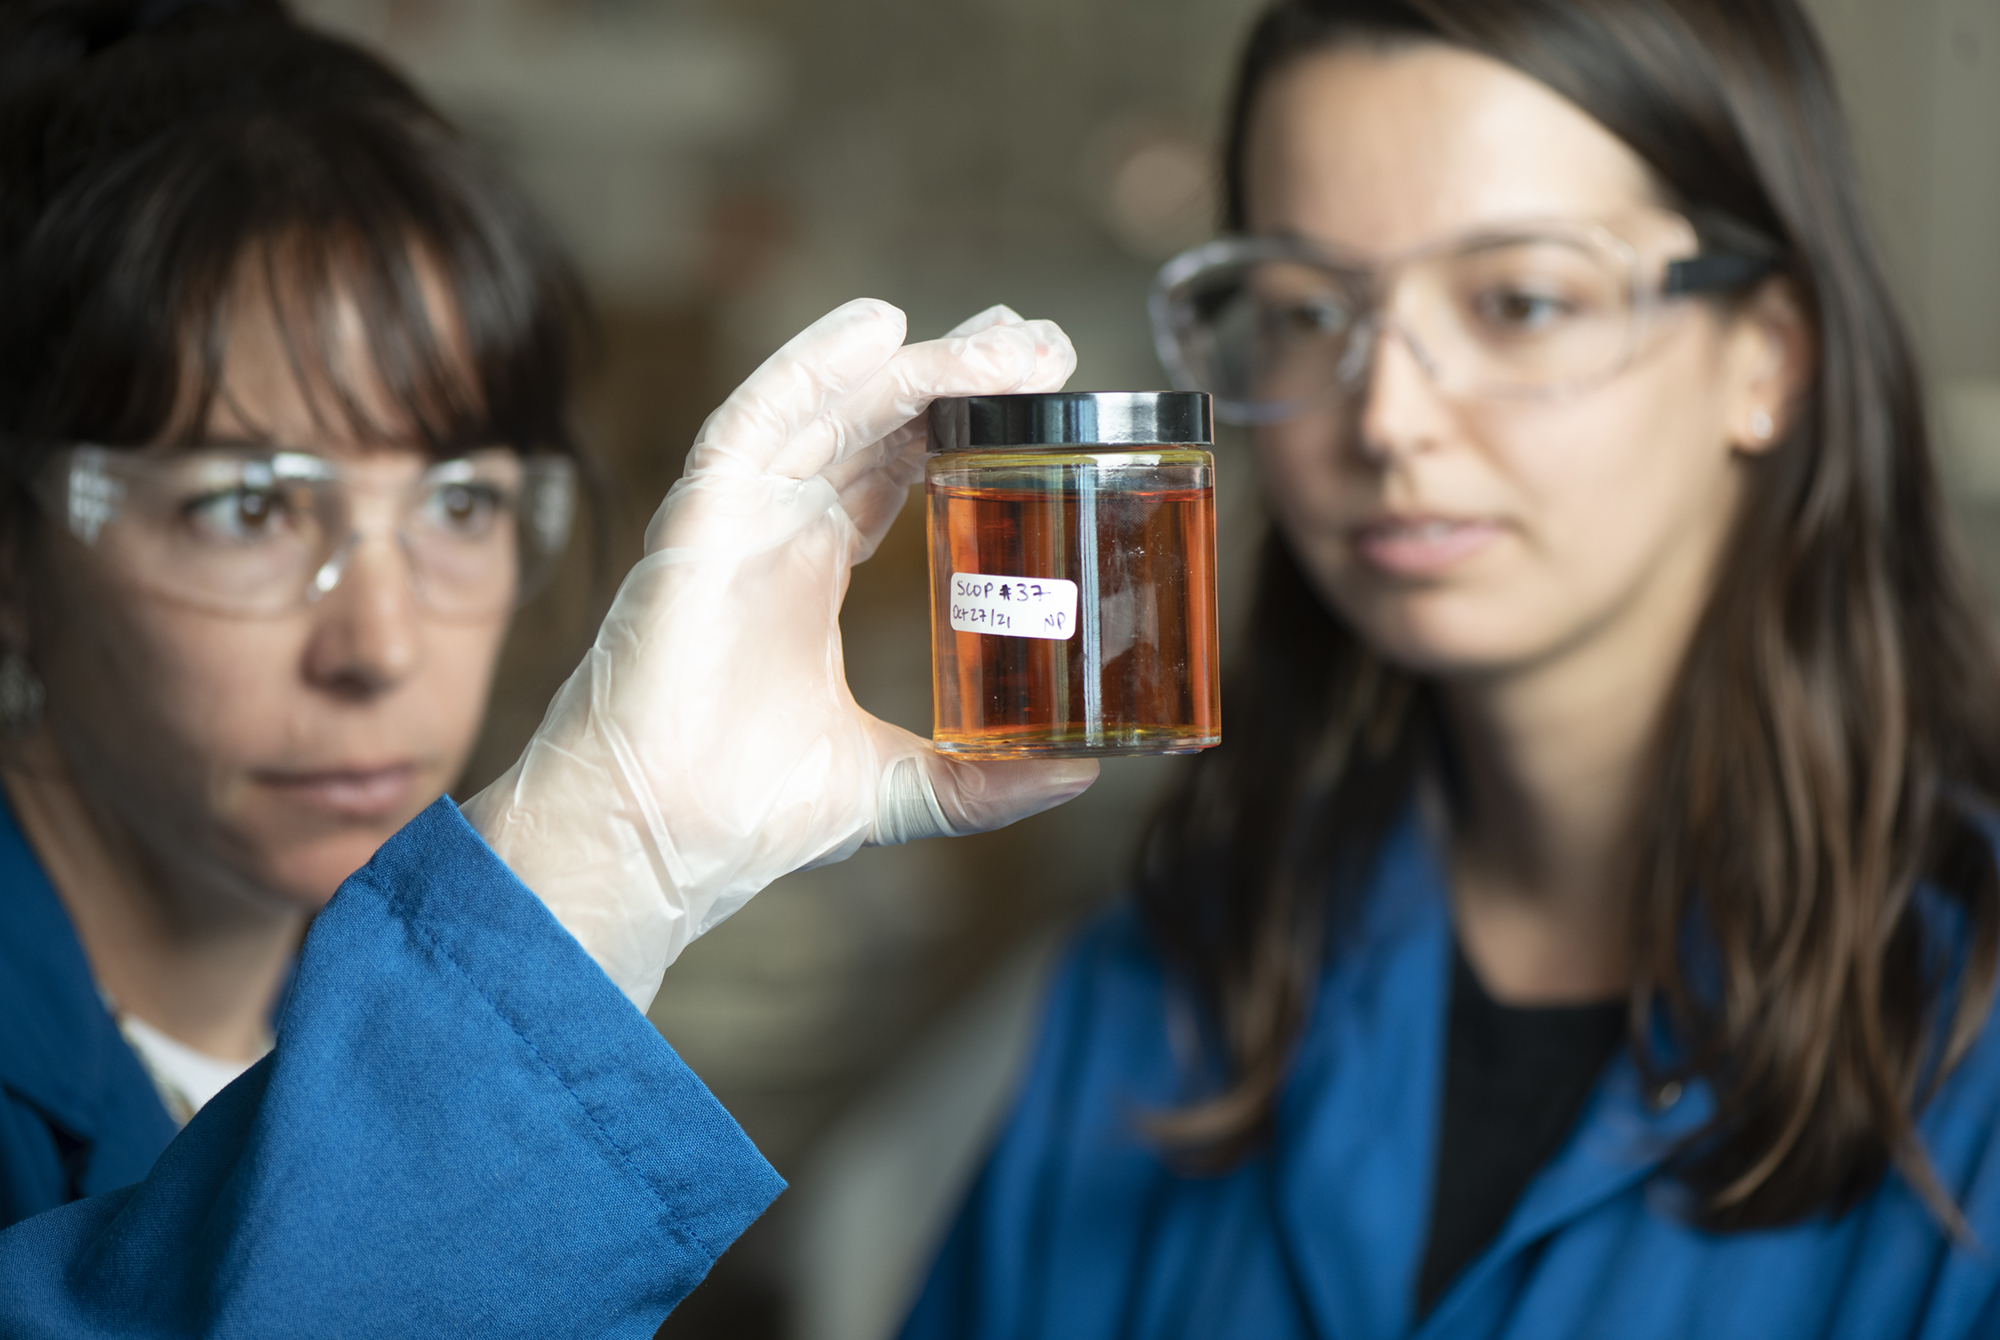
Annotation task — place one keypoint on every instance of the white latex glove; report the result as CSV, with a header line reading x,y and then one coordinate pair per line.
x,y
708,742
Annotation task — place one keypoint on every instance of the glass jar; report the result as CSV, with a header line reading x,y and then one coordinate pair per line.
x,y
1072,553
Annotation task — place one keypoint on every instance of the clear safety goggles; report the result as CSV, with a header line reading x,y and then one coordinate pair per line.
x,y
259,532
1270,326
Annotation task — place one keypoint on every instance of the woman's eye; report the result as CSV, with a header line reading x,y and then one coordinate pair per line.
x,y
241,515
1304,320
1520,310
465,509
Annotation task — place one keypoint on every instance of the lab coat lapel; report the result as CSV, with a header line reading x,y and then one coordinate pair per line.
x,y
1359,1124
1620,1141
1357,1143
62,1054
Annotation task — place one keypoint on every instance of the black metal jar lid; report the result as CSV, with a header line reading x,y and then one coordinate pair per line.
x,y
1072,418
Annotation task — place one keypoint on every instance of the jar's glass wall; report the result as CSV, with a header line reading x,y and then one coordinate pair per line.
x,y
1073,602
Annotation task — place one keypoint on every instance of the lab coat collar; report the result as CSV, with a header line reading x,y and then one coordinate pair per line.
x,y
1621,1140
1383,1014
63,1054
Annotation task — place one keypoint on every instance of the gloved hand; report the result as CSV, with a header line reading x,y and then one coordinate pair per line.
x,y
708,742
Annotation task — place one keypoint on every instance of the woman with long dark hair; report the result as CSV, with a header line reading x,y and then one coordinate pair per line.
x,y
1589,924
284,439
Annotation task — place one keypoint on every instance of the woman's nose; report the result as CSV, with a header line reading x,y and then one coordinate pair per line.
x,y
367,635
1400,411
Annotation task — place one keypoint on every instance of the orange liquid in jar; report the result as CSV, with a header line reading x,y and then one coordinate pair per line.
x,y
1135,534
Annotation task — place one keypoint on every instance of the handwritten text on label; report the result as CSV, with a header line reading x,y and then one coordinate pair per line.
x,y
1013,606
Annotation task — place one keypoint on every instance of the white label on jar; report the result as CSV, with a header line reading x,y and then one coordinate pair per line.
x,y
1013,606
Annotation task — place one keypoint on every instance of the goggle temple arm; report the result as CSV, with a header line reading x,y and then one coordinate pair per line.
x,y
91,493
1715,272
552,511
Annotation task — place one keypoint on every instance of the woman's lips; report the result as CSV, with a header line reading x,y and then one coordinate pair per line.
x,y
355,793
1421,546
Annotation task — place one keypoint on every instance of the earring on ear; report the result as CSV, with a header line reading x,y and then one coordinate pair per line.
x,y
21,694
1761,426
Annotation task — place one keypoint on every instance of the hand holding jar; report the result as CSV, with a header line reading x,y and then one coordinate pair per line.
x,y
708,743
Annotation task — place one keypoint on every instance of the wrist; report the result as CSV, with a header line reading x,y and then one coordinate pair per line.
x,y
621,916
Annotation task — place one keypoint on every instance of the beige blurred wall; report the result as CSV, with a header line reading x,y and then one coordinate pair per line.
x,y
1921,80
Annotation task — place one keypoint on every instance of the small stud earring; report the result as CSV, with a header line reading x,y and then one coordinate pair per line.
x,y
1760,425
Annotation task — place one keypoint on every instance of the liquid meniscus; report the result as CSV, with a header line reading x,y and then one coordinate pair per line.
x,y
1073,604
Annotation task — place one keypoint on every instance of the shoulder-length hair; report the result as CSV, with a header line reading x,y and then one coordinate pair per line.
x,y
155,153
1834,732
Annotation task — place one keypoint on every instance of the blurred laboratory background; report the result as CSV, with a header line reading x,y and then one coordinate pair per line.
x,y
724,171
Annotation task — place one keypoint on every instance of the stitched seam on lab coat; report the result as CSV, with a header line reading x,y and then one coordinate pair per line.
x,y
669,1217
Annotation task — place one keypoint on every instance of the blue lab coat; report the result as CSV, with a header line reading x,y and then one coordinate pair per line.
x,y
1075,1228
465,1129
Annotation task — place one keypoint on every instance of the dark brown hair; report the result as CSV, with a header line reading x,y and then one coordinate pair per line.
x,y
1832,741
151,149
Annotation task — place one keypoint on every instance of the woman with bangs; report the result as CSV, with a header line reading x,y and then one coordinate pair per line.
x,y
235,364
1588,925
284,440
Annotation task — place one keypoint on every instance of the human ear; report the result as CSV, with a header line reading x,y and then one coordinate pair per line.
x,y
1768,358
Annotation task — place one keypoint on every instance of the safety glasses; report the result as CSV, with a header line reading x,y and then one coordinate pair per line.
x,y
1270,326
258,532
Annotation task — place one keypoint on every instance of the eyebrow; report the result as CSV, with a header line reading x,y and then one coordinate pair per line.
x,y
228,442
1345,258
